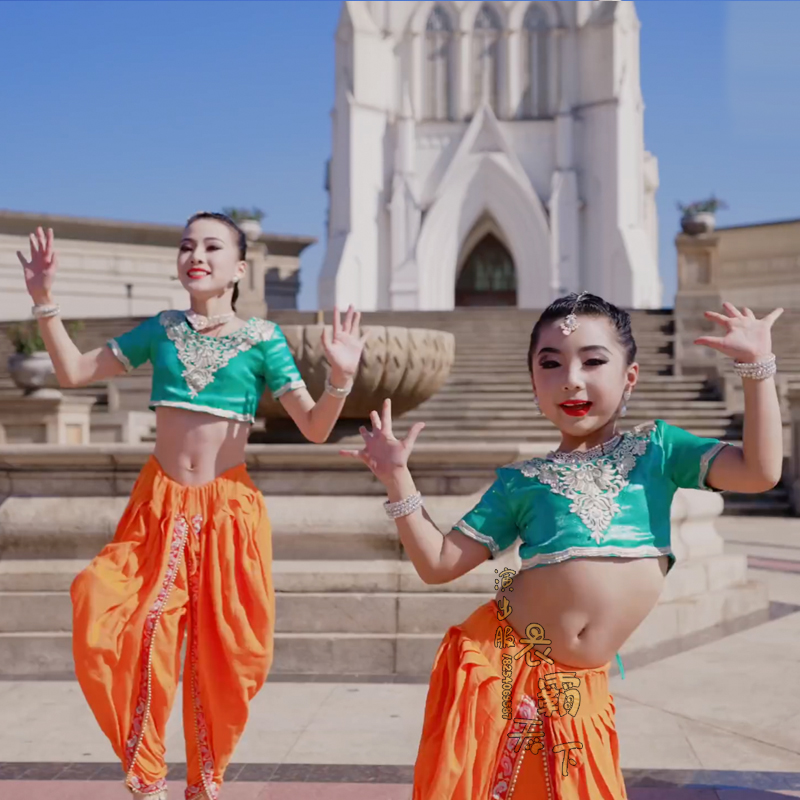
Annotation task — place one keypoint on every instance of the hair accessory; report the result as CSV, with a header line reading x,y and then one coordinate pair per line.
x,y
41,312
570,322
758,371
404,507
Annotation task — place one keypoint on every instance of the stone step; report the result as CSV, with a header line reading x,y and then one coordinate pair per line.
x,y
489,392
351,597
524,403
49,653
774,503
467,412
540,424
527,436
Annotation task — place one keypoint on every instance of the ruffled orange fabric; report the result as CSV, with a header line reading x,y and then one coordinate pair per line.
x,y
469,751
193,560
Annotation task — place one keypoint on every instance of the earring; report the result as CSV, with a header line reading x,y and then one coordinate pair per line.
x,y
536,405
625,397
236,279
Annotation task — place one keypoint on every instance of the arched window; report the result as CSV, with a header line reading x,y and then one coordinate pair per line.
x,y
488,277
535,58
485,49
438,65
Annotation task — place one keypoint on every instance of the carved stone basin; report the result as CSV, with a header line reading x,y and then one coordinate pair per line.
x,y
409,365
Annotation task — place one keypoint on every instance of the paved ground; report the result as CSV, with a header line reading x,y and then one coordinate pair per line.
x,y
720,721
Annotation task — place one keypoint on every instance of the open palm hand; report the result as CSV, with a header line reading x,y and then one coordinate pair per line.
x,y
383,453
746,338
343,349
40,271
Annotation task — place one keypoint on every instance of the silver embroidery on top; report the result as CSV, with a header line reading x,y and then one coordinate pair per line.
x,y
592,480
201,355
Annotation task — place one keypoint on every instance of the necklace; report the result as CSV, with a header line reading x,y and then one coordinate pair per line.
x,y
201,323
587,455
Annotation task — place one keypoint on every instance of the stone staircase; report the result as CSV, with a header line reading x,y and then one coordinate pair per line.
x,y
347,599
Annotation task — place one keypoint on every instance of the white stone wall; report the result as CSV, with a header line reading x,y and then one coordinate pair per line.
x,y
92,278
572,194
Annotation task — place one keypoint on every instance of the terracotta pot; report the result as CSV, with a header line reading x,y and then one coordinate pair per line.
x,y
409,365
694,224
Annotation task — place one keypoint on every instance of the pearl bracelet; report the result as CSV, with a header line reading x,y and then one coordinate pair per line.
x,y
50,310
404,507
758,371
335,391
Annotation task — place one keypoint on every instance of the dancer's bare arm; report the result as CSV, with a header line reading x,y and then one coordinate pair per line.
x,y
438,558
72,367
757,465
343,350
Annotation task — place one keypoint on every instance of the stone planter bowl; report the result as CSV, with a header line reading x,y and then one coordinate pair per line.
x,y
33,371
409,365
695,224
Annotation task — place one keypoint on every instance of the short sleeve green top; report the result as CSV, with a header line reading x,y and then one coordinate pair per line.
x,y
224,376
613,500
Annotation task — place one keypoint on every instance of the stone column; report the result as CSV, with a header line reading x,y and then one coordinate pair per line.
x,y
698,266
252,300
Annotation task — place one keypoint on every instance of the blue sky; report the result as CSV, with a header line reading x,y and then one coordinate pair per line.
x,y
149,111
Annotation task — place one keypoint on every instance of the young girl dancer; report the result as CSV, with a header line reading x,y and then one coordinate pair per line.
x,y
518,703
193,549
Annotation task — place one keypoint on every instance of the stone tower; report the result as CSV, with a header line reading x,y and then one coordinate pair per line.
x,y
489,153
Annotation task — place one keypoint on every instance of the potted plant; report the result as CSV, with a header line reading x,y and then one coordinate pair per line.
x,y
248,219
30,366
700,216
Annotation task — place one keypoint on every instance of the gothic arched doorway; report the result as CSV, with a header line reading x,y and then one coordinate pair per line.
x,y
488,276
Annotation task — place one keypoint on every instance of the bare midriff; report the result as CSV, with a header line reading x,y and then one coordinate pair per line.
x,y
194,448
588,607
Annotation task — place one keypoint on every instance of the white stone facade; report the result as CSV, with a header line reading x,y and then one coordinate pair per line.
x,y
126,269
523,120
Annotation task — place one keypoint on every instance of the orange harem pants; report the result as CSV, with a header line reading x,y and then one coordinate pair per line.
x,y
183,558
470,752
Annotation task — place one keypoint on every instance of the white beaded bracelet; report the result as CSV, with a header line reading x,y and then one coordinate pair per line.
x,y
335,391
758,371
51,310
404,507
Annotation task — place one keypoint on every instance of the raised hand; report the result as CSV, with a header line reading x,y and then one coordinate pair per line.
x,y
344,348
746,338
383,453
40,271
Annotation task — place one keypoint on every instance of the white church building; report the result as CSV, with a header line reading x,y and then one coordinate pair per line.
x,y
489,153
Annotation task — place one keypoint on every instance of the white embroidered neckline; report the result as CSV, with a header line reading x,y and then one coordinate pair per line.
x,y
592,480
202,355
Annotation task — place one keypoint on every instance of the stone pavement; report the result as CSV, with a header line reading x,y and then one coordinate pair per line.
x,y
718,721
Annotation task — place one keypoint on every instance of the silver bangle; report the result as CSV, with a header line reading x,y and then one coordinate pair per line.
x,y
404,507
335,391
49,310
758,371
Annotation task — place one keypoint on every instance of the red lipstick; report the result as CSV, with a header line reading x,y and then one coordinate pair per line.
x,y
576,408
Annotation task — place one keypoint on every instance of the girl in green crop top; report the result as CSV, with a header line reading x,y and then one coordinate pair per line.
x,y
592,520
192,553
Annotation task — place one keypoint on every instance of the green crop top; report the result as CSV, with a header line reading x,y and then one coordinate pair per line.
x,y
224,376
613,500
